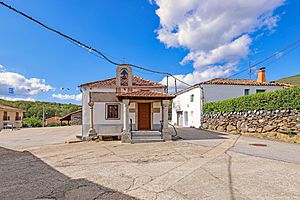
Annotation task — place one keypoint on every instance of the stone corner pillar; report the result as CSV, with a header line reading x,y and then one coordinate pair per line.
x,y
126,135
91,133
167,134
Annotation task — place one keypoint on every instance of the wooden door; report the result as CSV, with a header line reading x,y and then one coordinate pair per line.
x,y
144,116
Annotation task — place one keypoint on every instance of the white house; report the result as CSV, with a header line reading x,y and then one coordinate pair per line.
x,y
187,106
125,104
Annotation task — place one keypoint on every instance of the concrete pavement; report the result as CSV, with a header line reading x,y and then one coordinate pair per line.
x,y
34,137
222,168
275,150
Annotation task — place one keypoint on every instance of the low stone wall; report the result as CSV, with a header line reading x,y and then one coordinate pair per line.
x,y
279,124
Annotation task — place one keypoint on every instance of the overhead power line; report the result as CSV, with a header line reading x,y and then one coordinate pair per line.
x,y
90,49
278,55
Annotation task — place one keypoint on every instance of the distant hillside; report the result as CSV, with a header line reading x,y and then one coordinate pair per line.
x,y
295,80
35,109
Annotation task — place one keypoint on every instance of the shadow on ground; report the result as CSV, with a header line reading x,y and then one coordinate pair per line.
x,y
197,134
24,176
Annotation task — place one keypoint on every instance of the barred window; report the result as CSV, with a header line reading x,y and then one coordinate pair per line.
x,y
112,111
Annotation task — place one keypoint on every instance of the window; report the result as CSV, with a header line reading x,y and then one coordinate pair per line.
x,y
192,98
260,91
113,111
246,92
18,117
5,116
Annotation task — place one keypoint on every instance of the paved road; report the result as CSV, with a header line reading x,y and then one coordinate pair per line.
x,y
274,150
205,165
25,176
34,137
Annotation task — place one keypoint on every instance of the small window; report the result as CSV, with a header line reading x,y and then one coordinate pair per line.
x,y
260,91
112,111
246,92
192,98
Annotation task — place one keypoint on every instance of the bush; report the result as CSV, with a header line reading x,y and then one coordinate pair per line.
x,y
56,124
32,122
276,100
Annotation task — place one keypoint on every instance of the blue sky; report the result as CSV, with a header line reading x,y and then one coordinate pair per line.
x,y
126,30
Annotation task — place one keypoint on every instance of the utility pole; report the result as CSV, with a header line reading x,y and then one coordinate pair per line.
x,y
43,115
167,84
175,86
250,70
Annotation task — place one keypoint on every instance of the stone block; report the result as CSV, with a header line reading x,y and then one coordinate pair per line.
x,y
220,128
126,137
269,128
230,128
205,125
251,130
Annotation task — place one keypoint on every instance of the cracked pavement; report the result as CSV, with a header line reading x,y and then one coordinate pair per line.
x,y
219,168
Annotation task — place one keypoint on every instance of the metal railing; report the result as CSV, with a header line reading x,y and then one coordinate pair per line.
x,y
174,129
161,129
18,118
131,129
6,118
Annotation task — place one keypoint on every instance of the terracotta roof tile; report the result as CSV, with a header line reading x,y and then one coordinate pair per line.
x,y
71,113
8,108
224,81
146,93
136,81
52,120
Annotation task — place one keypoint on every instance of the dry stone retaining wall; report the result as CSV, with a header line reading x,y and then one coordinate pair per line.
x,y
278,124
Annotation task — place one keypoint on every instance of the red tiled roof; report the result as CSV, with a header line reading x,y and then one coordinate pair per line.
x,y
52,120
225,81
136,81
147,94
69,114
8,108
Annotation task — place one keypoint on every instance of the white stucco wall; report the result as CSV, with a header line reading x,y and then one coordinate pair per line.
x,y
214,93
100,123
182,103
103,125
211,93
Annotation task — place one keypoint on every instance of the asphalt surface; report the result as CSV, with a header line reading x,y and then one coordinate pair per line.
x,y
25,176
35,137
204,165
275,150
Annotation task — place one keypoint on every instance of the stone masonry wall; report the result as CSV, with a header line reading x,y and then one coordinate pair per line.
x,y
279,124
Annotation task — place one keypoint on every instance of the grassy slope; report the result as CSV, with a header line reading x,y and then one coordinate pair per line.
x,y
292,80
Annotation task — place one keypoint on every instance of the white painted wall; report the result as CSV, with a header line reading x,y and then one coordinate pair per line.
x,y
214,93
182,103
103,125
100,123
211,93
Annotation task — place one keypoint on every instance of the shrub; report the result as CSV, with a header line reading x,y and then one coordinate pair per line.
x,y
32,122
56,124
288,98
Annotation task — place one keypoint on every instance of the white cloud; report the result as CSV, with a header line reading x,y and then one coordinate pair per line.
x,y
228,53
199,76
17,99
214,32
25,87
76,97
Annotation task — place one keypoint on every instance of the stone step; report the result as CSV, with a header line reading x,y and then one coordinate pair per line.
x,y
146,138
133,141
146,133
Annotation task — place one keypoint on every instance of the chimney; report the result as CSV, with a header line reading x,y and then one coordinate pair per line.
x,y
261,75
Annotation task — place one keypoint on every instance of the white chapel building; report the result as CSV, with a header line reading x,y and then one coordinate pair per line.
x,y
124,105
187,106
